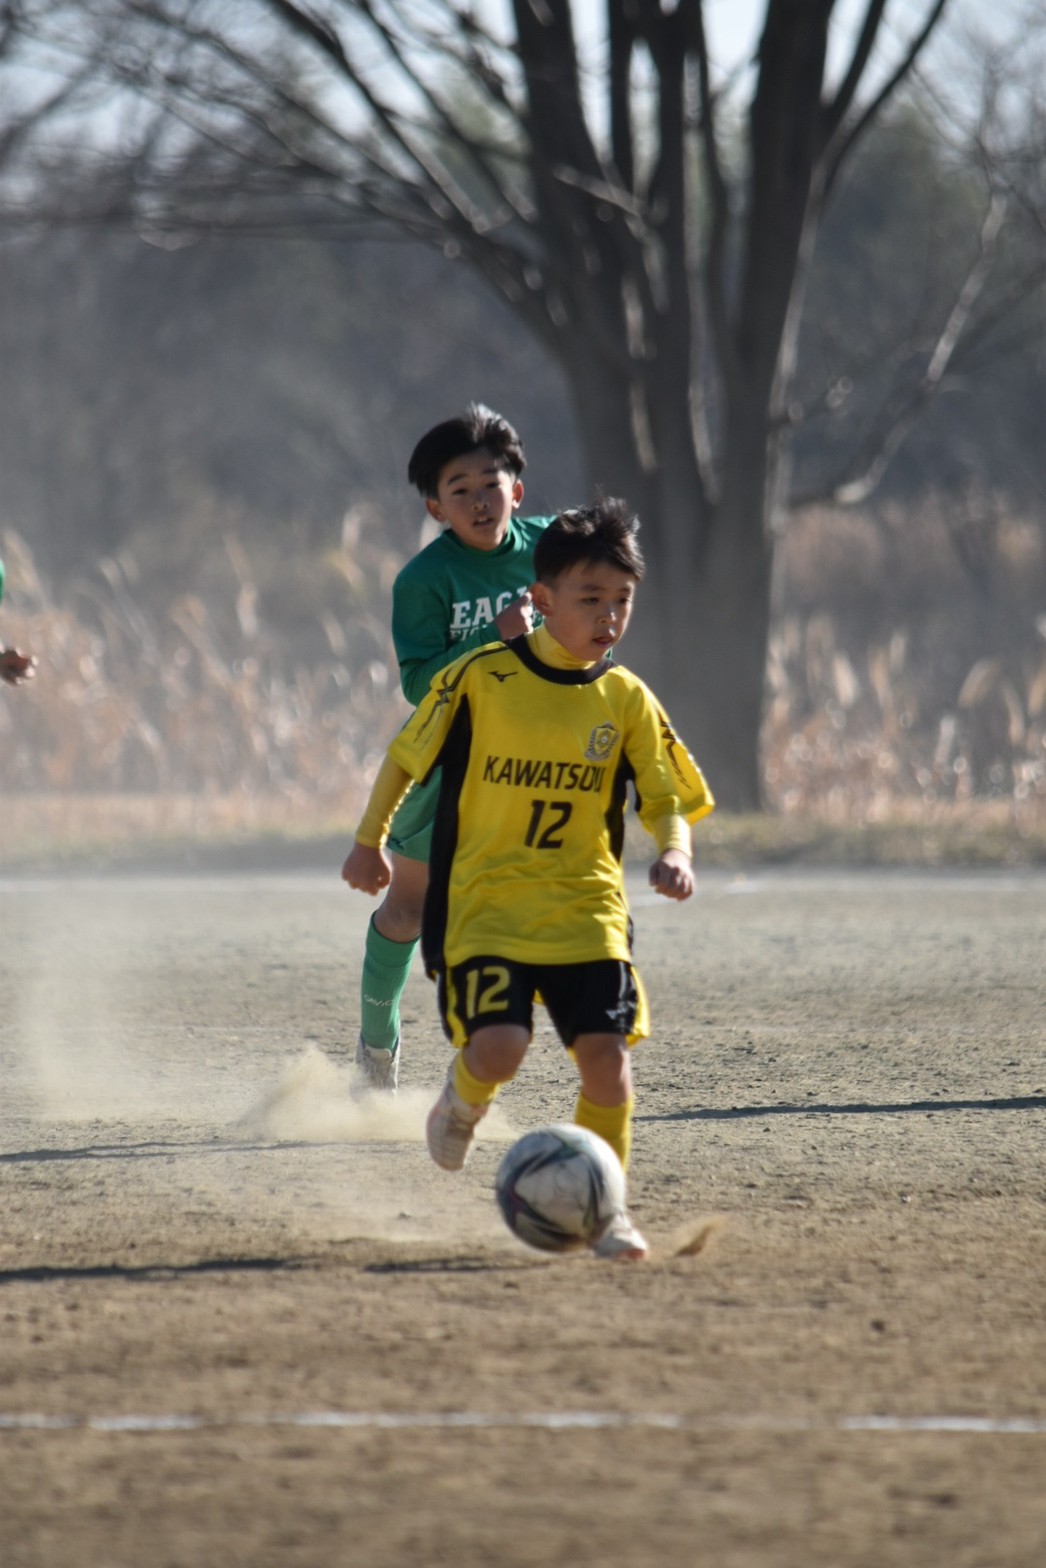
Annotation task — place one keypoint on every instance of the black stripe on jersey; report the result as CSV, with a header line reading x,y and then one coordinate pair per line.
x,y
671,742
547,672
624,774
453,758
449,684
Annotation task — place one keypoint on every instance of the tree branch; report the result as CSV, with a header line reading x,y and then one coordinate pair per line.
x,y
844,144
904,404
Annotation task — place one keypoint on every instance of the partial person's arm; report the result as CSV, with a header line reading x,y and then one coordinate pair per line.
x,y
16,667
413,754
367,865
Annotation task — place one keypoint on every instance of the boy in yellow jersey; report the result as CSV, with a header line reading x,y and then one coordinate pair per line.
x,y
538,739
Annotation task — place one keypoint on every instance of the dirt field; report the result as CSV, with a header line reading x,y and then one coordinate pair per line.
x,y
245,1322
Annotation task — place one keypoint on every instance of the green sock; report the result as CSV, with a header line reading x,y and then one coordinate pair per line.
x,y
386,966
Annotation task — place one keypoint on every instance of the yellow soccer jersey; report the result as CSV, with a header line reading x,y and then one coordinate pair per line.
x,y
526,852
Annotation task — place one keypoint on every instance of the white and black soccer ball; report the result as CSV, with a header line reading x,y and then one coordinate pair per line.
x,y
558,1187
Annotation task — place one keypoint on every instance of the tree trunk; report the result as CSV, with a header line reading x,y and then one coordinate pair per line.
x,y
700,630
731,618
701,642
699,633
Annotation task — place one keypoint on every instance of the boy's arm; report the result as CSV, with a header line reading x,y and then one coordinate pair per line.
x,y
412,755
668,781
367,865
672,872
671,792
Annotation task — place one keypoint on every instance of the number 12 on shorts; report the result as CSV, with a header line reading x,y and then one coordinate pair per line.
x,y
485,988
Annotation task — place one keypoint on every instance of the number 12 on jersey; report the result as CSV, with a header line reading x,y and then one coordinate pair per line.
x,y
542,834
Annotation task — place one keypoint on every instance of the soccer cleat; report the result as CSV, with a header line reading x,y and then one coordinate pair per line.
x,y
451,1127
377,1068
621,1240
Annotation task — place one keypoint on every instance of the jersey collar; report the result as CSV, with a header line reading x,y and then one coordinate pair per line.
x,y
581,675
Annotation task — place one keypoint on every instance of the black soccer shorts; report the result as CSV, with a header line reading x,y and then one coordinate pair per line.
x,y
601,997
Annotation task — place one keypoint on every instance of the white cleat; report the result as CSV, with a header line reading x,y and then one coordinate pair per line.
x,y
451,1127
621,1240
377,1069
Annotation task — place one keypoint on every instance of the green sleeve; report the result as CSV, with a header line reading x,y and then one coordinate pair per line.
x,y
423,598
419,621
416,675
419,631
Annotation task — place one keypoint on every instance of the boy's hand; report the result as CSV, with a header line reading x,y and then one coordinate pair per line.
x,y
673,875
16,667
516,618
367,869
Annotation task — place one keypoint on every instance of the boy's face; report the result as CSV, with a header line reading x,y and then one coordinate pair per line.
x,y
475,498
588,608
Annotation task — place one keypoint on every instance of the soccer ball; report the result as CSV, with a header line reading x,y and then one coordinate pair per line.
x,y
558,1187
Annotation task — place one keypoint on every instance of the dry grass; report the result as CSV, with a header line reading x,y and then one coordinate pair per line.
x,y
242,831
850,735
907,666
200,699
67,828
979,833
150,730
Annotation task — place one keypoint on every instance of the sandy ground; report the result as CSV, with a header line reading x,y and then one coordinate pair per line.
x,y
243,1320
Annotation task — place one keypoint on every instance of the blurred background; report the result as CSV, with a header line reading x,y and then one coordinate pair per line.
x,y
204,432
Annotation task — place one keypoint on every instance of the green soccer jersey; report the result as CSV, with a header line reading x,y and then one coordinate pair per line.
x,y
526,854
445,599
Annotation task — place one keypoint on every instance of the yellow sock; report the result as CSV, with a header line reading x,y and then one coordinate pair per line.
x,y
472,1090
613,1123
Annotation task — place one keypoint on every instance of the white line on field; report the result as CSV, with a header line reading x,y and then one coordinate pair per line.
x,y
549,1420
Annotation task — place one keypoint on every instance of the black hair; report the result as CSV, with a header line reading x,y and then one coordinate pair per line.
x,y
604,532
478,427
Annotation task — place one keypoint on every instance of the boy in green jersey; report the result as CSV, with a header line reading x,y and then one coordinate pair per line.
x,y
538,739
469,585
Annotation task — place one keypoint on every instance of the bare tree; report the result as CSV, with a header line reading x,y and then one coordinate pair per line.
x,y
652,222
24,114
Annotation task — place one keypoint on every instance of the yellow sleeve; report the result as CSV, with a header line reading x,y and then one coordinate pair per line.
x,y
389,788
669,783
417,746
671,831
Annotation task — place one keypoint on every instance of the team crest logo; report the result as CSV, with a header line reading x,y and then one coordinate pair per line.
x,y
601,743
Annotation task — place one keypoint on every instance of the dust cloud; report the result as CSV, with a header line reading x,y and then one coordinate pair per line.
x,y
313,1102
